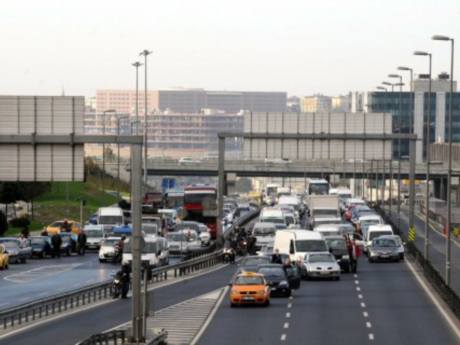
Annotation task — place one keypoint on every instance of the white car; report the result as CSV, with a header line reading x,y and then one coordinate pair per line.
x,y
107,249
183,241
321,265
400,245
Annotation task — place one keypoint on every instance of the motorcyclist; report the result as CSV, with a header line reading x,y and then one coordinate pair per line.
x,y
124,276
229,251
119,248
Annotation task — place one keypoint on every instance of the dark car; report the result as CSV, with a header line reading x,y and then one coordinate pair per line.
x,y
338,247
251,263
40,246
276,278
383,249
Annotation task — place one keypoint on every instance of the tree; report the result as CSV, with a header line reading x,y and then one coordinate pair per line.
x,y
3,223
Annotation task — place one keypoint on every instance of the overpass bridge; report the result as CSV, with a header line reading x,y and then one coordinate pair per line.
x,y
299,169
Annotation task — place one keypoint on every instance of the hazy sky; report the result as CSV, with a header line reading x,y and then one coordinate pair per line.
x,y
298,46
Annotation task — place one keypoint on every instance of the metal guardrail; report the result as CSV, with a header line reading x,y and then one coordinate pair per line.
x,y
49,306
119,337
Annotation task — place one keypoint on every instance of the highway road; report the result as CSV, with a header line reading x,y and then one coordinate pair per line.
x,y
70,329
383,304
40,278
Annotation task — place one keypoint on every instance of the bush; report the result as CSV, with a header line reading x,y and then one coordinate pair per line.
x,y
22,222
3,223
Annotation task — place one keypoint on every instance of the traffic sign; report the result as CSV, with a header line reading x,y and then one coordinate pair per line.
x,y
412,234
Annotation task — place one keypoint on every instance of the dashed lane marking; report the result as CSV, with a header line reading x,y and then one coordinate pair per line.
x,y
355,275
360,296
365,314
288,315
371,336
357,282
368,324
283,337
358,288
363,305
286,325
289,305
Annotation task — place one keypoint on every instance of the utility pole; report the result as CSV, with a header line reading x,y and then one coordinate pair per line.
x,y
145,53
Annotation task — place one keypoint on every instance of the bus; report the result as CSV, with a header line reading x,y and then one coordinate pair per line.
x,y
200,204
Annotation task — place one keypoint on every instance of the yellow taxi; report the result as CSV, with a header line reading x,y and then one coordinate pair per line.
x,y
3,258
55,227
249,288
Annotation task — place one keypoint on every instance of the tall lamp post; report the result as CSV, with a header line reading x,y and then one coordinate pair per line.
x,y
449,168
145,53
389,84
381,88
427,153
103,145
399,143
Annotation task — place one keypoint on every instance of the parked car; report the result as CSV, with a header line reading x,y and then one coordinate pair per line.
x,y
55,227
12,247
383,248
40,246
69,243
321,265
4,259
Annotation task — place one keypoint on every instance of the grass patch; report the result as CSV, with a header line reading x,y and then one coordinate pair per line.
x,y
34,226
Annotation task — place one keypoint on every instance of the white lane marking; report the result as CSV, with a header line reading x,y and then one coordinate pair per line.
x,y
358,288
435,301
363,305
355,275
365,314
360,296
286,325
210,317
291,297
356,282
283,337
288,315
371,336
289,305
368,324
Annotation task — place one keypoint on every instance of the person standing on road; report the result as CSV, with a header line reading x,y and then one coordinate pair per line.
x,y
56,242
81,242
276,257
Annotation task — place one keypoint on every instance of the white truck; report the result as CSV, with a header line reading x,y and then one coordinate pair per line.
x,y
323,206
110,217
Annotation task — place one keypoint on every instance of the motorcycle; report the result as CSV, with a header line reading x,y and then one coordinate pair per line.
x,y
229,255
116,287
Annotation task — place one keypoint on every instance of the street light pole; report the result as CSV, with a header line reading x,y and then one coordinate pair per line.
x,y
399,144
449,168
118,153
137,64
427,149
103,145
145,53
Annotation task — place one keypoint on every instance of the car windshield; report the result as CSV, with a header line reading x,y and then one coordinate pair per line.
x,y
37,240
375,234
93,233
336,243
10,243
187,226
272,272
319,189
311,246
110,242
272,220
111,220
325,212
367,222
249,280
264,231
384,242
255,261
150,229
327,221
181,237
320,258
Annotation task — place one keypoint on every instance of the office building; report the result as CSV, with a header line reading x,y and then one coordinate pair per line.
x,y
191,101
316,104
413,112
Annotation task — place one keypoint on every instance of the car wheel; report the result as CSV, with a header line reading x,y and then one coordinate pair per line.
x,y
401,256
6,267
267,303
101,260
232,305
67,252
370,260
23,260
337,278
347,269
289,293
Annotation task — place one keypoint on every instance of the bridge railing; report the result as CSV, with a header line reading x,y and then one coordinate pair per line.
x,y
47,307
119,337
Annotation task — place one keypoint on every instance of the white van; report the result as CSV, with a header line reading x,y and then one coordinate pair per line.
x,y
110,217
155,252
94,235
375,231
297,243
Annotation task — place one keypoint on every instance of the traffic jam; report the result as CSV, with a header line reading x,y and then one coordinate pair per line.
x,y
316,235
174,225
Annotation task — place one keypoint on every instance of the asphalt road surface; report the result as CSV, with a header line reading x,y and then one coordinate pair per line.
x,y
384,304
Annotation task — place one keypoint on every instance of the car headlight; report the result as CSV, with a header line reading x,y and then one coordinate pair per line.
x,y
346,257
373,253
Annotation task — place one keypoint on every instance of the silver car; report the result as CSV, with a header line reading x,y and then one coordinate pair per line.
x,y
321,265
383,248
